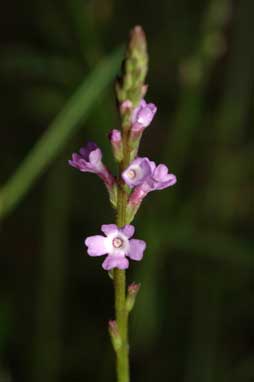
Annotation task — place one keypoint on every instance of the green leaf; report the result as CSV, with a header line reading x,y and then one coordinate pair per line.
x,y
58,133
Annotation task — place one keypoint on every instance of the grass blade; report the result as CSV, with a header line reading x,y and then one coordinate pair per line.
x,y
58,133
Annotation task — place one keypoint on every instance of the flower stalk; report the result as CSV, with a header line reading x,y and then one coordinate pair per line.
x,y
129,92
119,277
122,354
136,178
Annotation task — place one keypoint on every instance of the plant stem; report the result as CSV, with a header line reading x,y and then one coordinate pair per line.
x,y
122,355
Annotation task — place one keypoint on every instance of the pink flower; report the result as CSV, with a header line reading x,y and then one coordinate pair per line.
x,y
146,177
137,172
117,245
143,115
145,173
89,159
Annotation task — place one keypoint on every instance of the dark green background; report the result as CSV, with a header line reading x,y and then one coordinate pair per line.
x,y
194,317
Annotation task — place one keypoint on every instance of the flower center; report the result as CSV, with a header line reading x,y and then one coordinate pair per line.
x,y
117,242
132,174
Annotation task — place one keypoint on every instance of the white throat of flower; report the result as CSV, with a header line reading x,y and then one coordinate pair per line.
x,y
117,244
134,173
131,174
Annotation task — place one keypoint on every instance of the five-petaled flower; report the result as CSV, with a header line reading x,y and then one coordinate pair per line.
x,y
144,173
117,244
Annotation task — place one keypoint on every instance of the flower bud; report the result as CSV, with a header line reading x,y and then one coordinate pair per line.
x,y
115,138
133,290
137,41
126,107
130,85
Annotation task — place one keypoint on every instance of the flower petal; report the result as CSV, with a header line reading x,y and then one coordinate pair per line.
x,y
109,228
152,165
80,163
170,181
96,245
145,114
95,157
137,110
137,248
115,262
146,168
72,163
153,108
85,151
160,173
128,230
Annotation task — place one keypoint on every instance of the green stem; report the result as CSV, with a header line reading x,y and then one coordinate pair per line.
x,y
122,355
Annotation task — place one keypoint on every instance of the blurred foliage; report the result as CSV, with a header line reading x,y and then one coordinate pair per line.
x,y
193,320
57,134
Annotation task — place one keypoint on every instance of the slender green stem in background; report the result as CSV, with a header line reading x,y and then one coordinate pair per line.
x,y
57,135
122,355
50,298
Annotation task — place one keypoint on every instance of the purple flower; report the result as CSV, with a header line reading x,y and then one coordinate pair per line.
x,y
146,176
137,172
89,159
143,172
143,115
117,245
